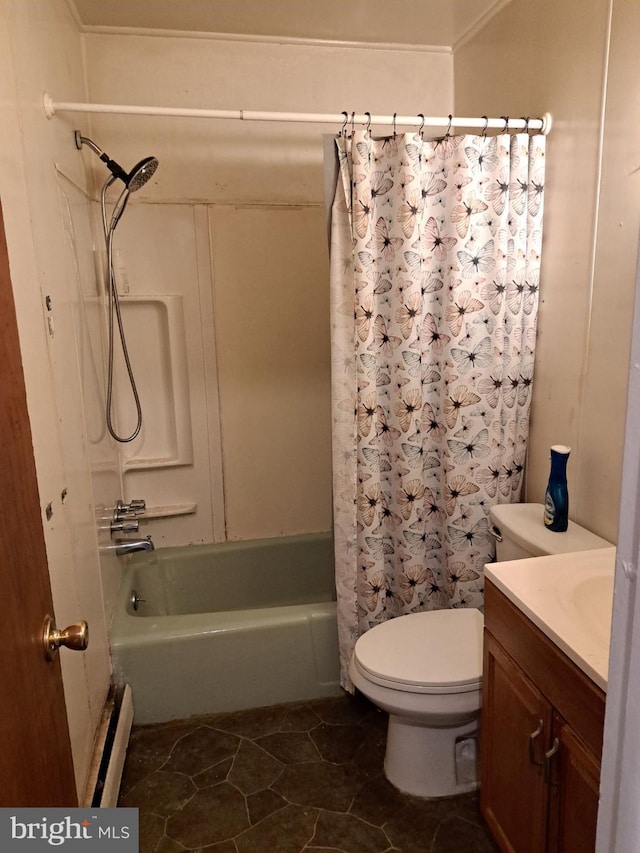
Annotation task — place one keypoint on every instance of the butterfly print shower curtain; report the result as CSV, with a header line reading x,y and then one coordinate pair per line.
x,y
435,263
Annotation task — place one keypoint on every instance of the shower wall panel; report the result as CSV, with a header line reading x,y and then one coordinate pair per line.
x,y
87,314
272,328
160,279
255,392
157,346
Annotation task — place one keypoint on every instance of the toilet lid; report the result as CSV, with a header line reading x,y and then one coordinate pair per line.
x,y
438,651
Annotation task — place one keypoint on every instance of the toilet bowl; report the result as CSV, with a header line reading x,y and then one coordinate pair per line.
x,y
425,669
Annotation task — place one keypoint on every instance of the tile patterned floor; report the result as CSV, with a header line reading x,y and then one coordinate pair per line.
x,y
285,779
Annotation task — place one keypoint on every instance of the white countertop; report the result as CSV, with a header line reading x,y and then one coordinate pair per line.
x,y
569,597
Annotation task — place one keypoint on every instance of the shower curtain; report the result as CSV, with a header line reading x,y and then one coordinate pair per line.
x,y
435,261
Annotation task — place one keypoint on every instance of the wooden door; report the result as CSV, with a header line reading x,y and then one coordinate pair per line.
x,y
515,728
574,793
35,752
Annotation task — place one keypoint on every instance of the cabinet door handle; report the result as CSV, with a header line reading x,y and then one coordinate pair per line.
x,y
548,756
532,743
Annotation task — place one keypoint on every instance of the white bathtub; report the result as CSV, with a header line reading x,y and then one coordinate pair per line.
x,y
228,626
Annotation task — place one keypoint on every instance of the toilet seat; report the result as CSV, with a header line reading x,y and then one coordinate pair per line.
x,y
437,651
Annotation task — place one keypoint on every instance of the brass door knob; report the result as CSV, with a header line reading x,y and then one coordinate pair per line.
x,y
74,637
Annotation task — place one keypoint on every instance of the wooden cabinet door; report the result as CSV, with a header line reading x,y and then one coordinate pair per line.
x,y
574,792
513,793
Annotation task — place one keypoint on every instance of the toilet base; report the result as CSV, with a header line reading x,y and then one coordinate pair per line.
x,y
422,761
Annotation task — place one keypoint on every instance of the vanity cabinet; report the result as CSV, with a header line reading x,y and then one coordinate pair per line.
x,y
541,738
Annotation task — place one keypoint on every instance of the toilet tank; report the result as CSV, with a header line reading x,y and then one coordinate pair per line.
x,y
520,532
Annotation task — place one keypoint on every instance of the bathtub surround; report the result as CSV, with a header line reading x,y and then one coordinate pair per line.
x,y
435,271
224,627
286,778
232,222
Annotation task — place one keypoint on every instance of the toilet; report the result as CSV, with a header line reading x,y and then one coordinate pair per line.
x,y
433,699
519,532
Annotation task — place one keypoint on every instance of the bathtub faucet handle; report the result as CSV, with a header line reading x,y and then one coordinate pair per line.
x,y
127,526
137,505
134,507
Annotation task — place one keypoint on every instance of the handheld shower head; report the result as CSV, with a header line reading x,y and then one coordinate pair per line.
x,y
134,179
141,173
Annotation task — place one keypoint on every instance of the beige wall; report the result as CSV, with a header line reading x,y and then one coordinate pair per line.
x,y
587,287
247,162
616,249
40,47
259,349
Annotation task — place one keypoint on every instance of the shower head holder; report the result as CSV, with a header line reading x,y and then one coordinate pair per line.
x,y
134,179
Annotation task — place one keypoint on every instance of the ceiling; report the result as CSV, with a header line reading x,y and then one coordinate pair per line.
x,y
440,23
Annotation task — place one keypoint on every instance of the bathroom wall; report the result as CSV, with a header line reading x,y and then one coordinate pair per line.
x,y
233,221
41,187
550,56
614,273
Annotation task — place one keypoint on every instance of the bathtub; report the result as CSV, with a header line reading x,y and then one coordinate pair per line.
x,y
210,628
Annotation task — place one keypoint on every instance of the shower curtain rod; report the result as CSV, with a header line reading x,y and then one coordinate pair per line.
x,y
542,124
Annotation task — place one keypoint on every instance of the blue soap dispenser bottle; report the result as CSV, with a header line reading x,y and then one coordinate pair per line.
x,y
556,499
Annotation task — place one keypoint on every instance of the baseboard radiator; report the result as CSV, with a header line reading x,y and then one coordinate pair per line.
x,y
110,750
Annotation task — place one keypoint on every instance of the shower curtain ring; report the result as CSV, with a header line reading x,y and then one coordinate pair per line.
x,y
421,116
353,123
486,125
448,133
344,123
526,120
368,126
394,125
505,119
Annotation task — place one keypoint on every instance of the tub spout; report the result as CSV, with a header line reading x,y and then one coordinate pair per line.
x,y
128,546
